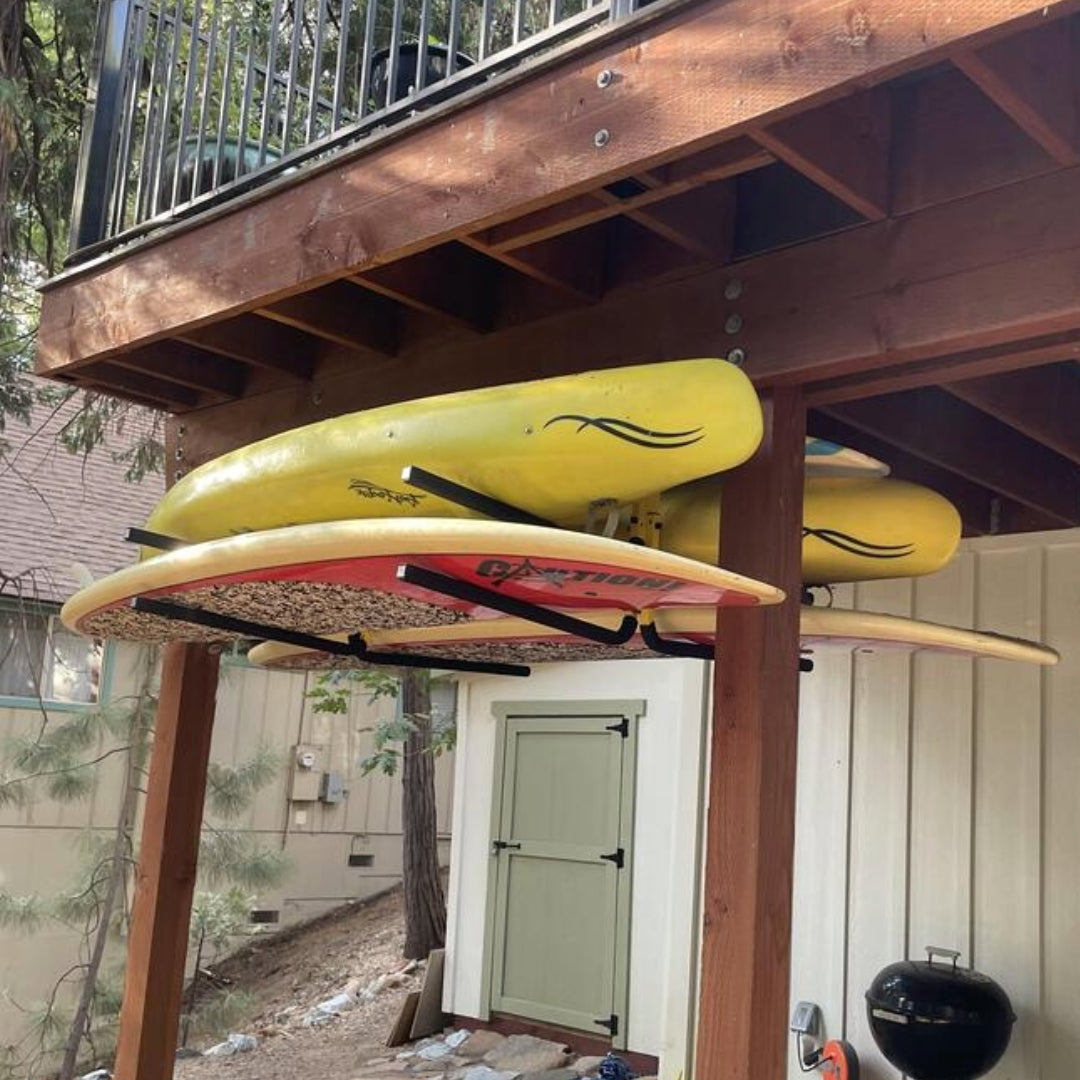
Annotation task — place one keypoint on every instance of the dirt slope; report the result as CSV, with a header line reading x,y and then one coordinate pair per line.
x,y
290,972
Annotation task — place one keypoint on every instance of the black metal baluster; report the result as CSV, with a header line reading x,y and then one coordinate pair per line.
x,y
294,68
366,54
453,37
487,13
144,192
96,158
190,82
223,111
315,86
204,105
166,109
245,105
342,62
270,82
133,48
394,62
422,34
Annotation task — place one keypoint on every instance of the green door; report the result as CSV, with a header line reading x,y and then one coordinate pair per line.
x,y
561,851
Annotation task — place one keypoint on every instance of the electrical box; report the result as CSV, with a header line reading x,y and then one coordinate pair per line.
x,y
333,787
308,768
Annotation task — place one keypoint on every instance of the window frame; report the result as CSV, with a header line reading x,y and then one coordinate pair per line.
x,y
21,607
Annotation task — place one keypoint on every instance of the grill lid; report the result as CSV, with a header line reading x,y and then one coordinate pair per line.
x,y
929,992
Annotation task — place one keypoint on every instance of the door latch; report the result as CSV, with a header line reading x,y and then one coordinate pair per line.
x,y
503,845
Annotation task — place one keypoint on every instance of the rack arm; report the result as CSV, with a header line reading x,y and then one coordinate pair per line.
x,y
520,609
355,647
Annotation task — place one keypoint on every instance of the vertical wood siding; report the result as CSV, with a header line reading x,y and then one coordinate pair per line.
x,y
939,804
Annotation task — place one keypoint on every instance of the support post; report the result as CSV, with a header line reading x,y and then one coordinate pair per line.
x,y
157,947
746,934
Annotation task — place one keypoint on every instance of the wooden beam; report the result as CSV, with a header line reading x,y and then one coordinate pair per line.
x,y
843,147
717,163
701,221
341,313
1032,78
116,379
262,344
745,988
187,365
535,144
168,852
1041,403
451,282
939,284
966,365
573,263
947,432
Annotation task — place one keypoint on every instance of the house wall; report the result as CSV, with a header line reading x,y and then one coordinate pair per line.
x,y
664,846
39,843
938,804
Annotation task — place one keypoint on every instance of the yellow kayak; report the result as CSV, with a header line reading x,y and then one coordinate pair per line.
x,y
552,447
854,529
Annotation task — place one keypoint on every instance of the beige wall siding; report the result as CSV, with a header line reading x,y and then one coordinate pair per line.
x,y
38,842
939,804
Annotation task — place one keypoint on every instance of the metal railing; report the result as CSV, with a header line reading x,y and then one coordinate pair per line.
x,y
194,101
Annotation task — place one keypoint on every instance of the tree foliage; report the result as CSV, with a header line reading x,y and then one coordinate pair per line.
x,y
46,50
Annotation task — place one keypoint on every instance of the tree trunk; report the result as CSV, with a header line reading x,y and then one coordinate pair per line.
x,y
425,904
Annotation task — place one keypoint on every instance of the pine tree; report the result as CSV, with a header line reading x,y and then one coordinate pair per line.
x,y
409,742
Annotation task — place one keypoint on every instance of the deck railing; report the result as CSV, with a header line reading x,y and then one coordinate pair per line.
x,y
195,101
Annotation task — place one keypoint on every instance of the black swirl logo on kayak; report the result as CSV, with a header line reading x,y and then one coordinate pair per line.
x,y
367,490
852,545
632,433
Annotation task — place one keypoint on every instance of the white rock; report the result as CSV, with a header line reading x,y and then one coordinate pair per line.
x,y
434,1052
234,1044
483,1072
97,1074
456,1038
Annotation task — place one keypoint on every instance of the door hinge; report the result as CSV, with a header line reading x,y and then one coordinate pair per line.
x,y
622,727
503,845
611,1023
618,857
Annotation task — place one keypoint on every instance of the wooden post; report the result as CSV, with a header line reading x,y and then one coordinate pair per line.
x,y
746,936
157,947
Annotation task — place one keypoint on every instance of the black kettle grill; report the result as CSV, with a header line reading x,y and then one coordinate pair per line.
x,y
935,1021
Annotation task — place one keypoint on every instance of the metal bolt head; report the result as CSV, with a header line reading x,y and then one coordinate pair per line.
x,y
733,289
737,357
601,138
605,78
733,324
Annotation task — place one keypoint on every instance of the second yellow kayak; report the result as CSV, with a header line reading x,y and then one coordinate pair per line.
x,y
854,529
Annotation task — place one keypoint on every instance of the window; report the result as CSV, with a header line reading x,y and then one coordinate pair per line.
x,y
40,658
